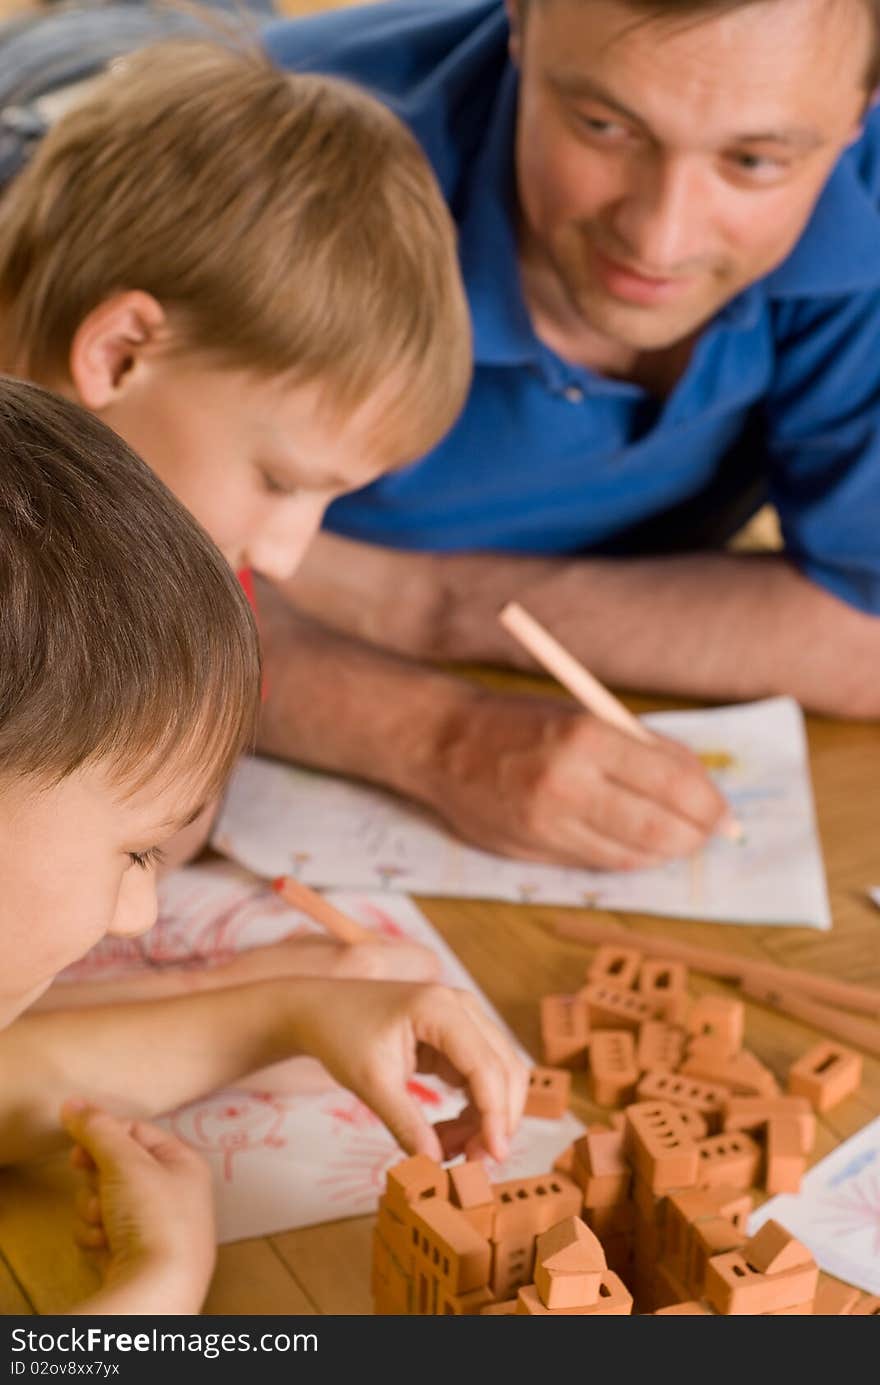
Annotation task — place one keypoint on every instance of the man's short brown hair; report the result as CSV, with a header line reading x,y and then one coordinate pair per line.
x,y
686,10
289,223
125,638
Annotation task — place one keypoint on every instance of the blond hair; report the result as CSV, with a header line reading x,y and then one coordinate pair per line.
x,y
125,638
290,223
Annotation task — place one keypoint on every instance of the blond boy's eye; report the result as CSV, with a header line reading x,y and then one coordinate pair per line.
x,y
274,485
146,859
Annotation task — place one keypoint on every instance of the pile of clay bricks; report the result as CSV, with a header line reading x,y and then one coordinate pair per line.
x,y
643,1040
646,1212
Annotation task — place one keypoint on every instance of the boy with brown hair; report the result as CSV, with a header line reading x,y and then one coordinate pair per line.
x,y
128,686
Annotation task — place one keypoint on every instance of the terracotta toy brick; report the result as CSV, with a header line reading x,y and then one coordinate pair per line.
x,y
708,1099
619,965
609,1007
665,984
507,1309
619,1254
616,1220
666,1287
391,1287
710,1237
691,1309
718,1017
414,1181
613,1071
833,1299
734,1288
448,1249
825,1075
565,1031
742,1074
600,1168
660,1046
772,1250
663,1154
549,1090
396,1234
731,1159
534,1204
569,1265
464,1305
785,1164
513,1260
614,1300
752,1112
471,1191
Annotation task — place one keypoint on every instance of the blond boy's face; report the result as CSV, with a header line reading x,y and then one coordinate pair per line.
x,y
77,861
256,461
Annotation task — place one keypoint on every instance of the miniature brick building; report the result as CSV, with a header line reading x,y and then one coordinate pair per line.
x,y
648,1212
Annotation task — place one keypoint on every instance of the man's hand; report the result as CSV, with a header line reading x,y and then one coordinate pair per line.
x,y
146,1203
373,1036
537,779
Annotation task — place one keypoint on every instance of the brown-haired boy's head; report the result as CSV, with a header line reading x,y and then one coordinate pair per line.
x,y
129,677
250,274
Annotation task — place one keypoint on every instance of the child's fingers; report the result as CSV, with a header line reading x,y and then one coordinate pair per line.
x,y
90,1237
88,1206
166,1148
105,1138
81,1159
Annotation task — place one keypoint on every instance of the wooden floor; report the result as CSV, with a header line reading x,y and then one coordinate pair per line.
x,y
514,955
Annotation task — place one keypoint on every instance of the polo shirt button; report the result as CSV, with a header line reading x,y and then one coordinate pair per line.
x,y
574,394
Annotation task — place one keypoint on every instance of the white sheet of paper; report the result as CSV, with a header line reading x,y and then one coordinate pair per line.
x,y
837,1211
333,834
285,1161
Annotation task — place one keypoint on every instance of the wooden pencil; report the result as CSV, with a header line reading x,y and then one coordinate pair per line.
x,y
727,966
583,685
797,1006
300,896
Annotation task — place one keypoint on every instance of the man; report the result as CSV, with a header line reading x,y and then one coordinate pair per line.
x,y
670,237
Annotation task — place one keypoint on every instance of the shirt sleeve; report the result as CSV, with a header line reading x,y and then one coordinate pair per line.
x,y
823,441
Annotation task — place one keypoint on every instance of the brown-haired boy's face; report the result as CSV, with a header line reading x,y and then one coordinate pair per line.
x,y
77,862
255,461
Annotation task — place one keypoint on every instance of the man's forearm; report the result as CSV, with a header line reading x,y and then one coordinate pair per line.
x,y
139,1059
714,625
341,705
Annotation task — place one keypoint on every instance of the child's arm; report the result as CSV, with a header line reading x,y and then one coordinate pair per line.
x,y
146,1203
152,1056
387,959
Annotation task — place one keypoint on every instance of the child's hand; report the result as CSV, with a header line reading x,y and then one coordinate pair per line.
x,y
146,1200
373,1036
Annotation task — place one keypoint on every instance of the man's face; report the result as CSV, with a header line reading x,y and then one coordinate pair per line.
x,y
662,168
256,461
77,861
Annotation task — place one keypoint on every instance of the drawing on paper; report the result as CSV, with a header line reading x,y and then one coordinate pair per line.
x,y
352,836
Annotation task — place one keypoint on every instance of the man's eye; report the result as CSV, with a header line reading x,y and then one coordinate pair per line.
x,y
146,859
603,129
759,165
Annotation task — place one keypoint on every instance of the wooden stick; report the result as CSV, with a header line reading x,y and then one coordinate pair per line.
x,y
584,687
299,896
846,1027
727,966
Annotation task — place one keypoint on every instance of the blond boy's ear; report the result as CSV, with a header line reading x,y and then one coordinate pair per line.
x,y
110,345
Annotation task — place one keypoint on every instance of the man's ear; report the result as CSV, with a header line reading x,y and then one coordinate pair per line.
x,y
514,19
110,343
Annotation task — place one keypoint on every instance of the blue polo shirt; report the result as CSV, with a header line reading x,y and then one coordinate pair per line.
x,y
780,401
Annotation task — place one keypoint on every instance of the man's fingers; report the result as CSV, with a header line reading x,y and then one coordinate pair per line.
x,y
668,773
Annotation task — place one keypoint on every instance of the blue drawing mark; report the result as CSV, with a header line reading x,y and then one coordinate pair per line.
x,y
854,1167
